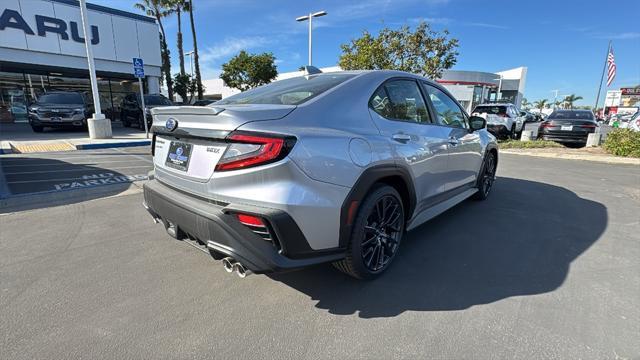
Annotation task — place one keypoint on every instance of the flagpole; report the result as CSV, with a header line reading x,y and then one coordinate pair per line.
x,y
604,68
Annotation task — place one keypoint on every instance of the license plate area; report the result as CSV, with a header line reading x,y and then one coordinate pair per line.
x,y
566,127
179,155
56,119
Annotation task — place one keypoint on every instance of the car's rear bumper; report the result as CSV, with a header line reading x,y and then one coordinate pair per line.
x,y
498,130
215,225
564,138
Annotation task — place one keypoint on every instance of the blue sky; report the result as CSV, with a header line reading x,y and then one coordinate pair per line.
x,y
563,42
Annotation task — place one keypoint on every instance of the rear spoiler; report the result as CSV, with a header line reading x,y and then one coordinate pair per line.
x,y
311,70
187,110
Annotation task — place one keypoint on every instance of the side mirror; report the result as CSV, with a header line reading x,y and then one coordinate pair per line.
x,y
522,113
477,123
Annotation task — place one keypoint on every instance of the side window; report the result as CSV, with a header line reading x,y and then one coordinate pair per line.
x,y
448,112
400,100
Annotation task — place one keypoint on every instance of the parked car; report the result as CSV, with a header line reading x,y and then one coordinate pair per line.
x,y
503,120
131,110
528,117
203,102
330,167
569,127
59,109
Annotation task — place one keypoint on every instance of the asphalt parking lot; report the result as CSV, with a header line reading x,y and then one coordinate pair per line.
x,y
26,174
546,268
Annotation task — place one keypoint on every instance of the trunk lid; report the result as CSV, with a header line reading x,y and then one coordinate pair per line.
x,y
185,156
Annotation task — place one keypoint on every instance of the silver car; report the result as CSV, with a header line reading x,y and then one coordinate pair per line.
x,y
329,167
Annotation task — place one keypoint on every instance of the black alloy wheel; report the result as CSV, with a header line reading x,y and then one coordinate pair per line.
x,y
377,232
487,177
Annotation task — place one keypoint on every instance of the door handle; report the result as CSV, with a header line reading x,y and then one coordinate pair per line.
x,y
453,141
403,138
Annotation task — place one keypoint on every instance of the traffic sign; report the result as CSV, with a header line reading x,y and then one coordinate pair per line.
x,y
138,67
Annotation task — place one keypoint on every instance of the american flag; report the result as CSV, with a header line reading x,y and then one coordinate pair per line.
x,y
611,63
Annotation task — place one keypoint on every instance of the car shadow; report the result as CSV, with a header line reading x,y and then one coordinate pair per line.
x,y
521,241
33,182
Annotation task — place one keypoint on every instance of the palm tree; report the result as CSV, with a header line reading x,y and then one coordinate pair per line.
x,y
196,60
177,7
570,99
525,103
158,10
557,104
540,104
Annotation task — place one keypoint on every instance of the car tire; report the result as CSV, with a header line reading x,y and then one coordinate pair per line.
x,y
124,120
37,129
513,135
376,234
487,177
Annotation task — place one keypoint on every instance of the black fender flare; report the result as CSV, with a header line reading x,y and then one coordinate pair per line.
x,y
361,188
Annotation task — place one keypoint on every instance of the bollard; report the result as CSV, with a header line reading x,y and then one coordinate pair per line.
x,y
527,135
594,139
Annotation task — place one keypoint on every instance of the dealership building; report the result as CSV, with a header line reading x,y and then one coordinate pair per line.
x,y
42,49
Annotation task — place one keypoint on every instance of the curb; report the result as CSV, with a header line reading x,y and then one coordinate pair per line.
x,y
584,157
5,146
112,145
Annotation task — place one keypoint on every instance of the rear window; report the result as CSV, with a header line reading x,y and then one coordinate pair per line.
x,y
292,91
571,115
156,100
485,109
71,99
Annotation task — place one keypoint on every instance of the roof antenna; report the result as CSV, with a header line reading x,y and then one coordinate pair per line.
x,y
311,70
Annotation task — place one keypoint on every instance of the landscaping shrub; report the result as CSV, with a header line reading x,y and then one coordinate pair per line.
x,y
623,142
536,144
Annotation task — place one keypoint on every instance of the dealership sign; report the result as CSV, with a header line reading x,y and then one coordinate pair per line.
x,y
630,91
44,24
51,33
613,98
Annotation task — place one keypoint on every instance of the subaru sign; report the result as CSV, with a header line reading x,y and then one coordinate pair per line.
x,y
138,68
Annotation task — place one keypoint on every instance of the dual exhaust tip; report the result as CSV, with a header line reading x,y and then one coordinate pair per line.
x,y
231,265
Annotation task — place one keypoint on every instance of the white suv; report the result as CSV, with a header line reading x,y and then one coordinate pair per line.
x,y
503,120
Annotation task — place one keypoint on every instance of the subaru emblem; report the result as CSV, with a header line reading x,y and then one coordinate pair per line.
x,y
171,124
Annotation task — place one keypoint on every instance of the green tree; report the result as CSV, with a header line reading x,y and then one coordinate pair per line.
x,y
540,104
177,7
570,99
423,51
557,104
525,104
158,10
245,71
196,59
184,86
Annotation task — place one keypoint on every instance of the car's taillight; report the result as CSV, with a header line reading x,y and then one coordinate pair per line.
x,y
247,150
258,226
546,125
250,220
589,126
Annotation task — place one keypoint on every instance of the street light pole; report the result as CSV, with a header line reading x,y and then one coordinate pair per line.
x,y
99,126
310,18
190,55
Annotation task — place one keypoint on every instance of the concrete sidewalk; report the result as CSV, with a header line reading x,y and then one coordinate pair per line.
x,y
20,138
587,154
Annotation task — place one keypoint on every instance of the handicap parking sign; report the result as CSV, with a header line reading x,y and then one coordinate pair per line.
x,y
138,67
